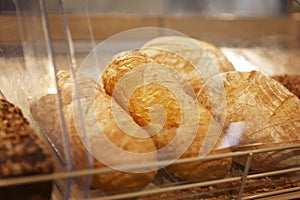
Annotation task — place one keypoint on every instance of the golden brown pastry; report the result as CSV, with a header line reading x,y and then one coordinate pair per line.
x,y
157,101
105,141
117,139
259,110
120,65
133,76
272,160
194,60
144,97
208,137
254,96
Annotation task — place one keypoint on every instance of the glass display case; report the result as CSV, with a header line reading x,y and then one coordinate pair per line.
x,y
53,57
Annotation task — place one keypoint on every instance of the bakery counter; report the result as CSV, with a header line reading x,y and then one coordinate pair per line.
x,y
101,27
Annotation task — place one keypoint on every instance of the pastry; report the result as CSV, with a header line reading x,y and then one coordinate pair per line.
x,y
259,112
194,60
134,76
103,134
155,98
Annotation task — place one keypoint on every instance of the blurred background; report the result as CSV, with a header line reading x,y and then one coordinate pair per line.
x,y
177,7
201,7
240,27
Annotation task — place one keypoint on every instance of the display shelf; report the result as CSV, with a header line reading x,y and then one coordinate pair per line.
x,y
62,41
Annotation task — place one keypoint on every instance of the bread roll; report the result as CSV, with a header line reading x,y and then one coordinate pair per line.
x,y
272,160
120,65
118,180
145,97
252,96
44,106
259,110
22,154
103,133
206,142
179,128
195,60
133,76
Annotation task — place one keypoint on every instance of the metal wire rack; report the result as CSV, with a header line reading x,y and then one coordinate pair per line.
x,y
189,185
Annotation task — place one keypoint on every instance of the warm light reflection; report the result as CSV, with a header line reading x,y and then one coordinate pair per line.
x,y
52,88
52,91
239,61
233,134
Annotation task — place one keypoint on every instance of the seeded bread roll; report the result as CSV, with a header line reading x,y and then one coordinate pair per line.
x,y
195,60
104,135
22,154
259,111
159,103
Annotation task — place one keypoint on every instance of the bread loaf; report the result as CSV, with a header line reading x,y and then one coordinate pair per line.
x,y
259,110
194,60
120,65
22,154
103,132
137,76
179,128
208,137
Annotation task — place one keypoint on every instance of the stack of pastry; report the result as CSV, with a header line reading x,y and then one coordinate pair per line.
x,y
174,98
100,125
163,73
251,109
